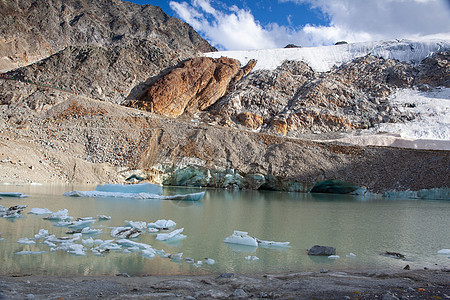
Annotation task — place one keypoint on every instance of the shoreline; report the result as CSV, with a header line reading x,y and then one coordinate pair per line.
x,y
323,284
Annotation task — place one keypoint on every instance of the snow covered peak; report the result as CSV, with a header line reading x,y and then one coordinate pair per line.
x,y
323,58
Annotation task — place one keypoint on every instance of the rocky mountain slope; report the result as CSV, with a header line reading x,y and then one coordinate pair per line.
x,y
191,120
293,99
31,30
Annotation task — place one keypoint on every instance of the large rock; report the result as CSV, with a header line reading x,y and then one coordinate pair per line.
x,y
192,86
322,250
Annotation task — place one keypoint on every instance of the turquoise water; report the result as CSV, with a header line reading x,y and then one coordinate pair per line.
x,y
365,227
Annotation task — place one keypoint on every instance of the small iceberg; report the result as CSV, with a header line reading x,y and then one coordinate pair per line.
x,y
242,238
172,236
60,215
78,223
351,255
333,256
26,241
13,212
161,225
141,225
250,257
444,251
13,194
30,252
103,218
42,234
125,232
133,191
40,211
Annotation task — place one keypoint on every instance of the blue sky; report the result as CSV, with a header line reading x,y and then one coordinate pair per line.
x,y
261,24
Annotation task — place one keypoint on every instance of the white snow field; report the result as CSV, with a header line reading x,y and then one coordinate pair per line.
x,y
431,127
323,58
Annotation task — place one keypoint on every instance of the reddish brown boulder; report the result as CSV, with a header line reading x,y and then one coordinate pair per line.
x,y
250,120
194,85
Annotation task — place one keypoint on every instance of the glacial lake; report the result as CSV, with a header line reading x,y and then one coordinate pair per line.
x,y
364,227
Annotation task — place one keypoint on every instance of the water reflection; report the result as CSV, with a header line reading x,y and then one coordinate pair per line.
x,y
366,228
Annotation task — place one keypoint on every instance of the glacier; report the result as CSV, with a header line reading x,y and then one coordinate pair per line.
x,y
322,59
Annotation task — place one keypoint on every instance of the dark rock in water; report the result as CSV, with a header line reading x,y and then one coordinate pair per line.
x,y
393,254
322,250
334,187
341,43
407,267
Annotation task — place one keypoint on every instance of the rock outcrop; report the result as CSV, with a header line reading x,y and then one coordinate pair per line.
x,y
32,30
192,86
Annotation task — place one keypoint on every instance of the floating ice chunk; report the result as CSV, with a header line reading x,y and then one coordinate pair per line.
x,y
174,235
128,243
2,208
105,247
189,260
30,252
26,241
251,258
333,256
88,242
133,191
13,211
209,261
64,239
149,188
444,251
103,217
77,249
125,232
12,215
351,255
13,194
137,224
242,238
81,223
62,223
162,224
99,194
49,244
153,230
59,215
149,253
91,231
40,211
273,244
43,233
176,256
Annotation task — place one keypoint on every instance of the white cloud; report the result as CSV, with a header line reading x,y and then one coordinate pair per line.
x,y
233,28
357,20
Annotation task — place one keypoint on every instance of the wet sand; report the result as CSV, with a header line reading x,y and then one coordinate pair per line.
x,y
368,284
